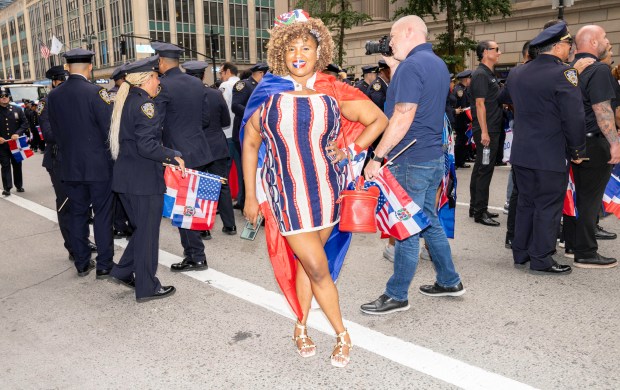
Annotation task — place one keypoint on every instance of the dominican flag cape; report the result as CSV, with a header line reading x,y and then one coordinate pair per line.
x,y
446,199
611,198
20,148
280,254
191,201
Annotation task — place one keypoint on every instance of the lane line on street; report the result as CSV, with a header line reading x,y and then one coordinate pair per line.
x,y
410,355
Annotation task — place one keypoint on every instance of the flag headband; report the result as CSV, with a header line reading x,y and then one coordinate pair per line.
x,y
295,16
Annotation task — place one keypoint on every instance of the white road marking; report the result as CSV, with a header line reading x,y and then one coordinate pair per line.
x,y
410,355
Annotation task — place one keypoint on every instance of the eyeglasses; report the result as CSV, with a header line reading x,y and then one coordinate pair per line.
x,y
493,48
3,96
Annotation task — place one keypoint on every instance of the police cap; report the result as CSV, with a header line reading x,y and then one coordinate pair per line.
x,y
57,72
195,67
554,34
260,67
119,72
79,56
464,74
332,68
167,50
148,64
369,69
382,65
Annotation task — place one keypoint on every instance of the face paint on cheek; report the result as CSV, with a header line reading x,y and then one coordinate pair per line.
x,y
298,64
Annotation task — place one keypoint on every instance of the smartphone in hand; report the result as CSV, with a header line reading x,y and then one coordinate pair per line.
x,y
249,231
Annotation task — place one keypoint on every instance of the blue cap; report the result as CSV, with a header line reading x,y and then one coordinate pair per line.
x,y
369,69
118,72
260,67
194,67
556,33
464,74
148,64
167,50
79,56
332,68
57,72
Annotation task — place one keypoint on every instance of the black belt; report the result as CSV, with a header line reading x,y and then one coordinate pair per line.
x,y
595,135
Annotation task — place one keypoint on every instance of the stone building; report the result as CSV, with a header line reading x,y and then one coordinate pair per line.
x,y
524,23
239,26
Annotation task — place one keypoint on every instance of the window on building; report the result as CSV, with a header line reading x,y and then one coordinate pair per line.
x,y
163,36
220,46
88,23
101,19
185,11
261,49
240,49
127,12
47,12
74,29
115,14
72,5
158,10
12,27
213,12
264,17
238,15
188,41
57,9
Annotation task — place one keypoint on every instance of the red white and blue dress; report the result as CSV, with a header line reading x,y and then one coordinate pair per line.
x,y
300,182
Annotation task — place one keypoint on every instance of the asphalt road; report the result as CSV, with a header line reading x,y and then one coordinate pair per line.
x,y
229,327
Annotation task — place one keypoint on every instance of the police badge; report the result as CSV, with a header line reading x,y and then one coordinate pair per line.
x,y
40,108
239,86
571,76
376,87
148,109
103,94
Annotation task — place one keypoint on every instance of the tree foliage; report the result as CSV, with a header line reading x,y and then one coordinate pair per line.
x,y
454,43
338,16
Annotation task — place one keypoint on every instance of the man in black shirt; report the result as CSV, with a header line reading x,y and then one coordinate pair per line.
x,y
487,126
602,147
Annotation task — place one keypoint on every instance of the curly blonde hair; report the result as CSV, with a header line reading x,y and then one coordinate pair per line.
x,y
281,36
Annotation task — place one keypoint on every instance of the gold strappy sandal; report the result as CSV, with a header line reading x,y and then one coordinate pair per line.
x,y
339,359
307,348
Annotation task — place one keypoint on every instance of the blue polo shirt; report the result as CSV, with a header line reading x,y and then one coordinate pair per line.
x,y
422,78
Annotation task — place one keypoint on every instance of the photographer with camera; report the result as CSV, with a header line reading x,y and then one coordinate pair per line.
x,y
415,105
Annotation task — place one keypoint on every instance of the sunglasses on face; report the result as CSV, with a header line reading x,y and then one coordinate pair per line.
x,y
3,96
493,48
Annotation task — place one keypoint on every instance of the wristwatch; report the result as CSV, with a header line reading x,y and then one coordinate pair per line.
x,y
376,158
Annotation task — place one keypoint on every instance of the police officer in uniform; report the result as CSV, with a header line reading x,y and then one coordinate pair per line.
x,y
332,70
378,88
369,74
118,76
549,131
79,115
181,106
136,145
462,102
241,94
219,117
13,124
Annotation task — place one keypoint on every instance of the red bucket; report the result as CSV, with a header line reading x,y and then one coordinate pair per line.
x,y
357,210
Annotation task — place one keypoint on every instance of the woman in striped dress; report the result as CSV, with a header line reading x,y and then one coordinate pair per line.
x,y
300,174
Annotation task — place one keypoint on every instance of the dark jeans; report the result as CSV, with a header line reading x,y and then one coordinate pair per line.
x,y
142,252
7,161
224,205
591,178
539,209
481,175
82,195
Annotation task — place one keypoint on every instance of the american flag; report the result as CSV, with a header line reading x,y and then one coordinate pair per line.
x,y
397,215
45,51
191,201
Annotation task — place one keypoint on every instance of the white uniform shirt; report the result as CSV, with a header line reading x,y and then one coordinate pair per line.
x,y
227,87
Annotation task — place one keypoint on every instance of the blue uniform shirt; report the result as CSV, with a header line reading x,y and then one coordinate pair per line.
x,y
422,78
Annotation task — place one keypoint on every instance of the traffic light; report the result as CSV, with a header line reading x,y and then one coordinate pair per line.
x,y
123,48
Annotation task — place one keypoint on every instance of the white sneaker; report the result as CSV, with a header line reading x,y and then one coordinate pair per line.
x,y
388,253
506,207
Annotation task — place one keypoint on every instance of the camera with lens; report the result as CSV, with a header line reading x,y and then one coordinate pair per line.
x,y
382,46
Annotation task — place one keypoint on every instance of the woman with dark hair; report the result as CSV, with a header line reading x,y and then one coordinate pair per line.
x,y
295,136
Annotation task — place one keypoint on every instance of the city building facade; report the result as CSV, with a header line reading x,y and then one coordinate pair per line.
x,y
119,31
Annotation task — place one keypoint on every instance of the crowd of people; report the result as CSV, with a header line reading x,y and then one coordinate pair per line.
x,y
291,126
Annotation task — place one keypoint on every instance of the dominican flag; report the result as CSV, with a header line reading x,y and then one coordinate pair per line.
x,y
40,133
446,204
611,198
469,133
397,215
191,201
20,148
570,200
